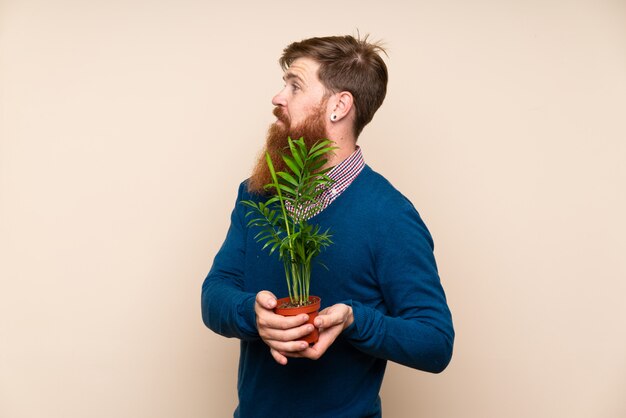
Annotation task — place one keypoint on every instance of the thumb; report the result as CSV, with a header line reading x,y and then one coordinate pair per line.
x,y
266,299
328,318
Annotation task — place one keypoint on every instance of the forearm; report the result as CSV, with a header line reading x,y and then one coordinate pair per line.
x,y
409,322
421,343
227,310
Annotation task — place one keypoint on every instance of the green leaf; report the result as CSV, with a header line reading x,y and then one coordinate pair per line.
x,y
270,165
297,151
316,154
287,189
294,166
315,167
289,178
322,143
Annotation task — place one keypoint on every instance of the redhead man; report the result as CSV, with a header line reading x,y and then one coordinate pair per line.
x,y
382,297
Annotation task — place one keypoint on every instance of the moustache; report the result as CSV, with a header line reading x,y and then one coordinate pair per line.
x,y
280,115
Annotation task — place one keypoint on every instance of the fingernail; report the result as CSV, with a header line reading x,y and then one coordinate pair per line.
x,y
303,345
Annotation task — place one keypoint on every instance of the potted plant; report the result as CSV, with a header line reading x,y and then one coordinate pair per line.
x,y
283,224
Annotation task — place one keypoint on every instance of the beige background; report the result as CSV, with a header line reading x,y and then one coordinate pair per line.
x,y
126,126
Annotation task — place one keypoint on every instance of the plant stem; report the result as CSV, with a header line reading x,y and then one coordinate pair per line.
x,y
287,275
282,206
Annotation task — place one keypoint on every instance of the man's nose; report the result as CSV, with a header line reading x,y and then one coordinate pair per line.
x,y
279,99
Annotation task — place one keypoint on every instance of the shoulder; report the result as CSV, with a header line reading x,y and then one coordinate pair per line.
x,y
375,188
244,194
395,213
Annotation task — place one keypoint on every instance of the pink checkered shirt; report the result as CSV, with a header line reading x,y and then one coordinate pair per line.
x,y
343,175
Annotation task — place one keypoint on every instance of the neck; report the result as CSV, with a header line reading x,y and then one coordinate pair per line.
x,y
340,154
345,143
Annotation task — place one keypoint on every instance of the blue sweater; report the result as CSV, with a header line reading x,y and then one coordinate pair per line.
x,y
381,263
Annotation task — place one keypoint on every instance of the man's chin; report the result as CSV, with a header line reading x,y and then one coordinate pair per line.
x,y
279,123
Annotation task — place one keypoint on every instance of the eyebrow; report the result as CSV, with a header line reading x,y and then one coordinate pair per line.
x,y
290,76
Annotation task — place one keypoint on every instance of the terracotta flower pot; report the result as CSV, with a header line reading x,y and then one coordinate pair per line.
x,y
311,309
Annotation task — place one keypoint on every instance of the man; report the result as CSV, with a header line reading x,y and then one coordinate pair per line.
x,y
382,294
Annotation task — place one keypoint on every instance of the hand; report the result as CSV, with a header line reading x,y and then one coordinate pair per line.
x,y
331,322
280,333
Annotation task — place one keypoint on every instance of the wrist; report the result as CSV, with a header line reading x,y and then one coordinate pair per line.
x,y
350,317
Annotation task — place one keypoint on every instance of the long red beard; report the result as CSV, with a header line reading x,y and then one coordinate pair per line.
x,y
312,130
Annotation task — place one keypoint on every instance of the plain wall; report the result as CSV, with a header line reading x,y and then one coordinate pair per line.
x,y
126,126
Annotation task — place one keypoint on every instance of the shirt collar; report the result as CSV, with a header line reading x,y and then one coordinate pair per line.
x,y
348,169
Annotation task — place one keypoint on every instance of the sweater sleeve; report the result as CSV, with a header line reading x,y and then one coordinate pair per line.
x,y
416,329
226,308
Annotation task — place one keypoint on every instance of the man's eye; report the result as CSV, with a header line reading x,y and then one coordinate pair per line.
x,y
295,87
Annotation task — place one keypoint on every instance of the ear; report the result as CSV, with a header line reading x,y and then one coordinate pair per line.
x,y
341,105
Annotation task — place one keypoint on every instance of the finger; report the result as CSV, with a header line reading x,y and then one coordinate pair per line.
x,y
316,351
329,319
278,357
266,299
280,322
287,347
292,334
339,314
326,339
